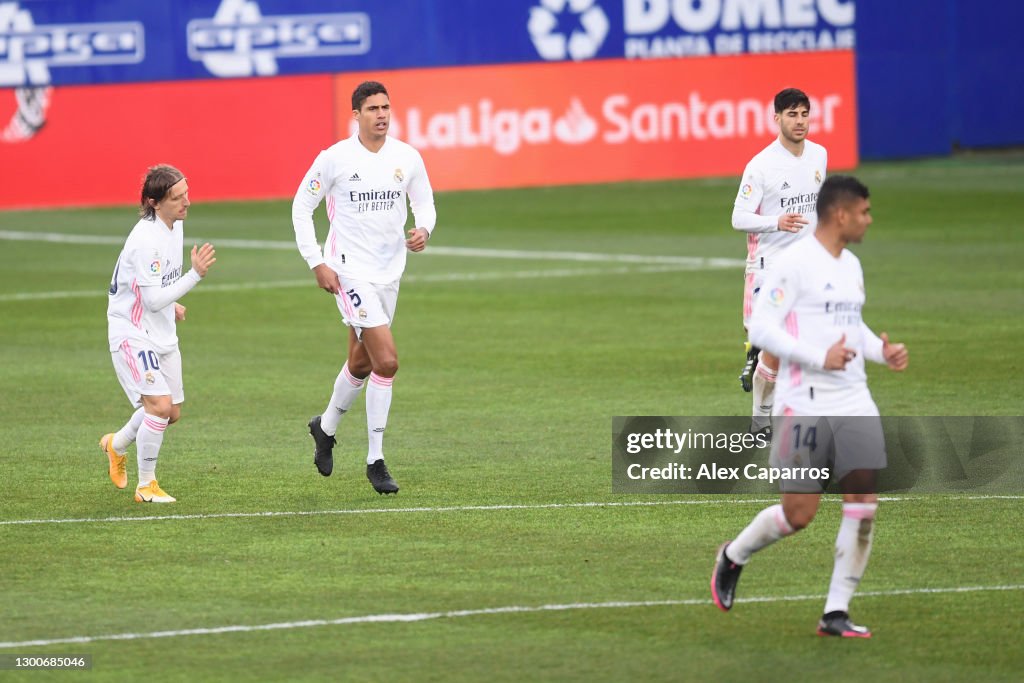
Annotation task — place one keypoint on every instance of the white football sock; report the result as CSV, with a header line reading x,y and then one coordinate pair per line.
x,y
151,437
125,436
767,527
853,547
763,393
346,388
378,403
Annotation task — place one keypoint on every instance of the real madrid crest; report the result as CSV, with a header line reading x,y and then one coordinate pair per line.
x,y
817,177
399,176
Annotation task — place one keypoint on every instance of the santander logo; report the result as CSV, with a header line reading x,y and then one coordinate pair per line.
x,y
614,120
576,126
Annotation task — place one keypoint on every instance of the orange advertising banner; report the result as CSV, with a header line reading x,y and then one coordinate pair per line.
x,y
477,127
234,139
608,120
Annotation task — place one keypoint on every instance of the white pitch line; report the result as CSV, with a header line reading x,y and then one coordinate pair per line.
x,y
406,618
438,277
694,261
458,508
59,237
372,511
45,296
473,252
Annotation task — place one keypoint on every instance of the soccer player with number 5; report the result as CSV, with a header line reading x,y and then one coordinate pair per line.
x,y
142,315
367,180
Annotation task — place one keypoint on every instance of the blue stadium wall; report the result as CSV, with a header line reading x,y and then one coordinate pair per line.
x,y
932,75
937,75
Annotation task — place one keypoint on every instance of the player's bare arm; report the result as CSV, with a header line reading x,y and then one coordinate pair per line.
x,y
791,222
202,258
327,279
417,239
895,355
179,312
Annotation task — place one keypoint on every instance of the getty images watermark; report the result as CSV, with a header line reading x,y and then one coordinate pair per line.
x,y
818,454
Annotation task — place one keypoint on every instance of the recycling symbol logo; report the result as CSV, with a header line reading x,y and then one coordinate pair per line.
x,y
556,43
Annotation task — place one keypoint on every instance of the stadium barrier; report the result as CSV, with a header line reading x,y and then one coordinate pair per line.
x,y
477,127
609,120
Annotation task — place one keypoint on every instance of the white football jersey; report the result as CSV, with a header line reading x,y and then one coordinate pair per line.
x,y
366,205
152,257
809,300
774,183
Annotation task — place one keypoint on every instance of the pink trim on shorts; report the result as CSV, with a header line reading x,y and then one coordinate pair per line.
x,y
385,382
346,303
126,350
793,328
784,434
748,296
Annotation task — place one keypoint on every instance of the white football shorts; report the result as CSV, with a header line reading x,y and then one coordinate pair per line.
x,y
364,304
841,444
819,400
144,372
752,282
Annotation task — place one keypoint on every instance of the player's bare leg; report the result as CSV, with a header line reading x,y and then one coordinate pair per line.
x,y
378,344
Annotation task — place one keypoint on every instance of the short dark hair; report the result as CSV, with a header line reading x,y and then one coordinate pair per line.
x,y
158,182
789,98
839,190
364,90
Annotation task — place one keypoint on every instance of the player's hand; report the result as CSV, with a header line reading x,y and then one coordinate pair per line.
x,y
202,258
895,355
417,239
179,312
791,222
838,355
327,279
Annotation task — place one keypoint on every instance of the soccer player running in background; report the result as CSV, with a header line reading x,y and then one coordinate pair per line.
x,y
775,207
366,180
142,315
809,315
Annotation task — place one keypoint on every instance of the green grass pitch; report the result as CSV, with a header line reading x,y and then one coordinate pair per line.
x,y
514,359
